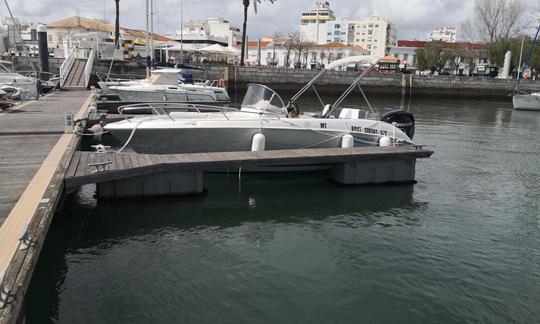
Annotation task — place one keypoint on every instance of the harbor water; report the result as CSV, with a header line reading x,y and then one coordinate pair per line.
x,y
461,246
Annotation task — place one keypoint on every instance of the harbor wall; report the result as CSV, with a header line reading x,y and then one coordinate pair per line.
x,y
334,81
373,83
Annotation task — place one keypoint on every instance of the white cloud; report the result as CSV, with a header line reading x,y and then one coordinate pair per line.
x,y
413,18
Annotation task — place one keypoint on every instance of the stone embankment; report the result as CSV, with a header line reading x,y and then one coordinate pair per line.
x,y
333,81
374,83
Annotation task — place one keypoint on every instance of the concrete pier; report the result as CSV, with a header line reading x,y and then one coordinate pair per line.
x,y
374,172
160,184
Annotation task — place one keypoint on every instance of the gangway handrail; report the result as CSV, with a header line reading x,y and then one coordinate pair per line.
x,y
88,68
65,68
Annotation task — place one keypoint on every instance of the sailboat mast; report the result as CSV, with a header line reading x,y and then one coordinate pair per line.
x,y
146,42
529,55
152,52
181,31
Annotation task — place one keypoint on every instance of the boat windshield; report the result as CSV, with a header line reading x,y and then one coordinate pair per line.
x,y
262,98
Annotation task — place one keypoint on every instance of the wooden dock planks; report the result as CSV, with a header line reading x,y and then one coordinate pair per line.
x,y
126,165
28,132
33,206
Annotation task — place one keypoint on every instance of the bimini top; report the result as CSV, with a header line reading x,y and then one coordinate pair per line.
x,y
359,59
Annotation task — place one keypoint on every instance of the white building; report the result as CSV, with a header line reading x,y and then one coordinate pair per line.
x,y
313,23
278,54
445,34
86,34
337,31
376,34
11,41
208,32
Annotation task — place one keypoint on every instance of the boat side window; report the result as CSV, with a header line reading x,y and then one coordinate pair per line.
x,y
173,88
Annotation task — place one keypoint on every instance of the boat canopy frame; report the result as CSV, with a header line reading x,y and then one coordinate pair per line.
x,y
292,105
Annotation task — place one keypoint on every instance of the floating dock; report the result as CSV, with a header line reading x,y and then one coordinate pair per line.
x,y
121,175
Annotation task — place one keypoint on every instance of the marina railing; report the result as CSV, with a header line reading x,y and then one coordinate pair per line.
x,y
66,66
88,68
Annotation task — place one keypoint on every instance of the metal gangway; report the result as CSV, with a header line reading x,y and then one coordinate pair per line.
x,y
74,72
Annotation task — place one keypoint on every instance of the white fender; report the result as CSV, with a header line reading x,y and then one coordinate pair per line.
x,y
385,141
258,143
347,141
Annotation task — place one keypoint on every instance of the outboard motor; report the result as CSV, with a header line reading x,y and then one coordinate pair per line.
x,y
404,121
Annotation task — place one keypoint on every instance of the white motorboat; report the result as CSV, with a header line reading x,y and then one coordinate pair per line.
x,y
525,101
166,86
26,87
264,122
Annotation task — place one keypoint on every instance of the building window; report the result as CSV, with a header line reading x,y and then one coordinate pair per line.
x,y
405,57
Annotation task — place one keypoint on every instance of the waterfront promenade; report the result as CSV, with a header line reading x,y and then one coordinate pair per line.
x,y
33,147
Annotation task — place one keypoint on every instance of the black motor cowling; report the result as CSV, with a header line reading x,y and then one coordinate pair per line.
x,y
404,121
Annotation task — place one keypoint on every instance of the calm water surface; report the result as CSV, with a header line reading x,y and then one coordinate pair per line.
x,y
461,246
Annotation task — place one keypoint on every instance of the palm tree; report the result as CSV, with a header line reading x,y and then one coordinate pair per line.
x,y
117,25
246,4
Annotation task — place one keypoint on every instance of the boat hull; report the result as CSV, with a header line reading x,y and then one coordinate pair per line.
x,y
526,102
202,140
126,94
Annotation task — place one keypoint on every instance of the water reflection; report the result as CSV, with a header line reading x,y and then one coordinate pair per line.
x,y
262,199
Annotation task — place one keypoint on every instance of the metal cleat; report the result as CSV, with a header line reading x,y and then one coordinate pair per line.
x,y
101,166
101,148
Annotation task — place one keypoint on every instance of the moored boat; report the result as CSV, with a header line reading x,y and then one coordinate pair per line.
x,y
264,122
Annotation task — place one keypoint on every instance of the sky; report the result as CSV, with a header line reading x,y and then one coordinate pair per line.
x,y
413,18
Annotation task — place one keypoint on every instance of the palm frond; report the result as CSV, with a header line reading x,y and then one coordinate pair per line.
x,y
259,1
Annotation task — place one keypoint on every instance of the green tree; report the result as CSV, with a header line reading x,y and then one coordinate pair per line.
x,y
432,57
499,48
457,56
246,4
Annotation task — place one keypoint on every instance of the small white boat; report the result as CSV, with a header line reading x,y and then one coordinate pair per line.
x,y
264,122
165,85
525,101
